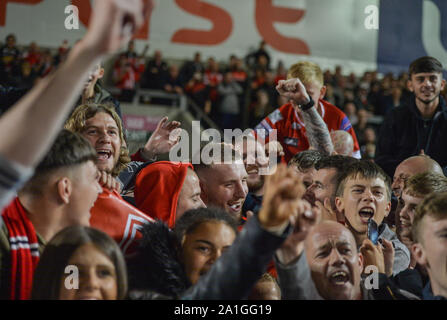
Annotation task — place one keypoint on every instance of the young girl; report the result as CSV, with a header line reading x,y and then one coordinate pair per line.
x,y
170,261
80,263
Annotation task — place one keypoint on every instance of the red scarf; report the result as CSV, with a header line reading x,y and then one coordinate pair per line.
x,y
24,250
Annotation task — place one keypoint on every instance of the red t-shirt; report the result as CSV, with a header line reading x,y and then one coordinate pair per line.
x,y
291,131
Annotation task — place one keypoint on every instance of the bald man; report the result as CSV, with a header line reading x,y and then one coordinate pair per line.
x,y
411,166
405,170
329,269
343,142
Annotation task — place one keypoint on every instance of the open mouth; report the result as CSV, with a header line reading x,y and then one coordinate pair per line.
x,y
253,172
236,207
339,278
366,214
405,223
104,154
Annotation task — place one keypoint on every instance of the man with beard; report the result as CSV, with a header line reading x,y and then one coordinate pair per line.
x,y
223,183
419,125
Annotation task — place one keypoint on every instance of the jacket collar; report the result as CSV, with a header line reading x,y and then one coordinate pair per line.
x,y
442,107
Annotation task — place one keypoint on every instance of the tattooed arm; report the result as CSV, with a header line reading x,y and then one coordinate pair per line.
x,y
316,129
317,132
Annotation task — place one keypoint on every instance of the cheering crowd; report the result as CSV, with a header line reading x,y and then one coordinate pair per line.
x,y
306,214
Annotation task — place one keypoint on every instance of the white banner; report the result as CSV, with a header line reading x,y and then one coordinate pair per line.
x,y
329,32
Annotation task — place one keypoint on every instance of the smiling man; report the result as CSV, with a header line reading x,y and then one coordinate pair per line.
x,y
418,126
223,185
363,193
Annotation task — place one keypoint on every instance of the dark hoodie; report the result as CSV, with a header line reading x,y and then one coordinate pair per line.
x,y
404,133
157,268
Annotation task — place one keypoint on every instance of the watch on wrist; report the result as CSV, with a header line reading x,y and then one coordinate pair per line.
x,y
308,105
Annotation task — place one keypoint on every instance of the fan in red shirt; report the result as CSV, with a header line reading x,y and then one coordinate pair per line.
x,y
288,122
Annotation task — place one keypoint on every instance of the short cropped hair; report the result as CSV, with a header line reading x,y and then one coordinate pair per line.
x,y
337,162
422,184
69,150
425,64
365,169
77,122
308,72
306,159
225,150
435,206
57,253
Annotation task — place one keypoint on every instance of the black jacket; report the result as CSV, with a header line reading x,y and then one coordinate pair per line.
x,y
156,267
402,136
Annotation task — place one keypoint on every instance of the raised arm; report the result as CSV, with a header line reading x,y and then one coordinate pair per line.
x,y
235,273
30,126
316,129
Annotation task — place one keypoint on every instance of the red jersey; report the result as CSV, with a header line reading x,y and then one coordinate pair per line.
x,y
291,131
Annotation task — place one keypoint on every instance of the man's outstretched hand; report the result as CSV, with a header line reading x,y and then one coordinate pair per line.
x,y
282,196
165,136
113,22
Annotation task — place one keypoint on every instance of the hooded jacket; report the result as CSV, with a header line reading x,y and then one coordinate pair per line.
x,y
157,188
156,268
402,136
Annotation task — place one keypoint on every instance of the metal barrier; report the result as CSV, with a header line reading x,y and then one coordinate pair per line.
x,y
180,101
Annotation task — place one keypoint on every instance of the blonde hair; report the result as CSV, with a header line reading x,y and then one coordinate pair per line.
x,y
77,120
308,72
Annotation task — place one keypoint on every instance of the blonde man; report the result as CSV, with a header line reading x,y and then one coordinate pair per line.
x,y
305,92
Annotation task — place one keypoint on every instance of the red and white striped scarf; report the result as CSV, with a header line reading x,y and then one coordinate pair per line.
x,y
24,250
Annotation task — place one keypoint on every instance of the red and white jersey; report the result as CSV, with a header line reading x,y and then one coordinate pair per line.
x,y
291,131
